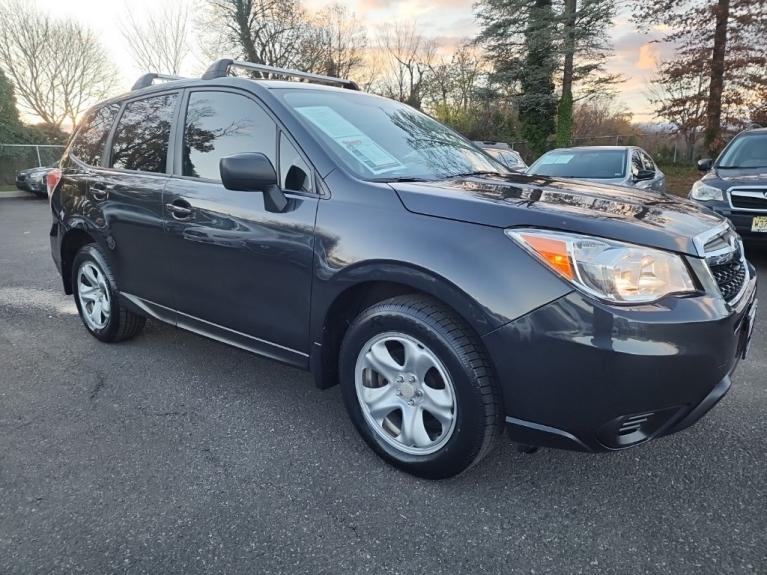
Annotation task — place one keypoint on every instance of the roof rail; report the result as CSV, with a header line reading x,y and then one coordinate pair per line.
x,y
148,79
220,68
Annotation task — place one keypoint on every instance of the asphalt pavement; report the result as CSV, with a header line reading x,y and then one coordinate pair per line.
x,y
171,453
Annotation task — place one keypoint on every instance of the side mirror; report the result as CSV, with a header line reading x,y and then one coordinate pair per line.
x,y
705,164
253,172
642,175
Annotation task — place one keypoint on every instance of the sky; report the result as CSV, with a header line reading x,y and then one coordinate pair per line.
x,y
449,22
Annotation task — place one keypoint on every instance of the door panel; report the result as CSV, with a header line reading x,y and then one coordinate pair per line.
x,y
240,267
133,212
130,194
240,272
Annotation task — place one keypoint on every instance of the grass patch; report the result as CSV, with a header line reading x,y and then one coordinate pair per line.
x,y
679,178
7,188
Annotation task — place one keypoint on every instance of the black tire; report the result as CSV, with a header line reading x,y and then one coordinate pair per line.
x,y
478,400
122,324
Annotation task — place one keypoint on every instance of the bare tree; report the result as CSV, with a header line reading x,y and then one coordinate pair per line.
x,y
681,100
59,67
159,42
410,55
273,32
342,41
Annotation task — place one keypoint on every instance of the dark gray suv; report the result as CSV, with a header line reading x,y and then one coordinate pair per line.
x,y
735,185
358,238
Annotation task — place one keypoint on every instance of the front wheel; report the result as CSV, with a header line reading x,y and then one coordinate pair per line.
x,y
418,387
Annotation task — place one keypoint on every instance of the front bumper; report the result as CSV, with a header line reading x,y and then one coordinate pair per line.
x,y
579,374
742,221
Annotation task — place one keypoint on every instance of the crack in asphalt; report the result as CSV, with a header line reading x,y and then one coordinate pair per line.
x,y
100,383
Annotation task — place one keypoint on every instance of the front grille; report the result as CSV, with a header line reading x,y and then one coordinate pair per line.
x,y
749,199
724,255
730,278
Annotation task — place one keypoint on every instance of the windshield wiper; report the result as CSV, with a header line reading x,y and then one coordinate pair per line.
x,y
399,179
477,173
742,167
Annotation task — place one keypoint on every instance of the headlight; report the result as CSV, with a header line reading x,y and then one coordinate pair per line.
x,y
613,271
705,193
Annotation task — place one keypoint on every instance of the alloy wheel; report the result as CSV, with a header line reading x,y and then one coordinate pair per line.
x,y
406,393
94,297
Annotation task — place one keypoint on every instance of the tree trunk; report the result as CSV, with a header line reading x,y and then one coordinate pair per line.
x,y
565,112
716,86
242,15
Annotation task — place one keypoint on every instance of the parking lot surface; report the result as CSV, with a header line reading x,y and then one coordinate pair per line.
x,y
171,453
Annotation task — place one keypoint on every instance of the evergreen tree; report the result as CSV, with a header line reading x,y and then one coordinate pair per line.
x,y
518,36
536,44
10,126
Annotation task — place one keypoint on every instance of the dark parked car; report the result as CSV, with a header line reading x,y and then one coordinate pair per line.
x,y
619,165
504,154
735,185
33,180
355,237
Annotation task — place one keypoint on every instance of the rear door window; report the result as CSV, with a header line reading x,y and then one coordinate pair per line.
x,y
143,132
88,146
220,124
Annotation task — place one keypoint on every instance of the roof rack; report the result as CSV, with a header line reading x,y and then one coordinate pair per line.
x,y
220,69
148,79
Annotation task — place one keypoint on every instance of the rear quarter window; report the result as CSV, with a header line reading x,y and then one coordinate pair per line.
x,y
143,133
88,145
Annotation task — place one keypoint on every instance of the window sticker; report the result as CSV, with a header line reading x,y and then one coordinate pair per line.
x,y
348,136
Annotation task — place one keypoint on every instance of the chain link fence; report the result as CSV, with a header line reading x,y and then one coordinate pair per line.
x,y
17,157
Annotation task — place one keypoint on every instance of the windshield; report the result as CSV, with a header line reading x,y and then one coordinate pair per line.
x,y
746,151
383,140
594,164
506,157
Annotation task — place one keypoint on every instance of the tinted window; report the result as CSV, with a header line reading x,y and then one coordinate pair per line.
x,y
143,132
219,124
647,161
89,144
597,164
636,163
294,172
746,151
380,139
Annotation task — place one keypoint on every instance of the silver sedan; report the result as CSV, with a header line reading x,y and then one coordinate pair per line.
x,y
621,165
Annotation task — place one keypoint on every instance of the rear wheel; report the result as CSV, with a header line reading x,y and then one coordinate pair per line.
x,y
95,293
418,387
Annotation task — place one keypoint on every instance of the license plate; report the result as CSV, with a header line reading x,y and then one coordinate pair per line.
x,y
759,224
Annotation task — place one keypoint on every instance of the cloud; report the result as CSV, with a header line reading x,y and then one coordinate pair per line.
x,y
649,56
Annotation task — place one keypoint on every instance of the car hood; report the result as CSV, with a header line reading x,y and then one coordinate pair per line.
x,y
34,171
621,213
741,177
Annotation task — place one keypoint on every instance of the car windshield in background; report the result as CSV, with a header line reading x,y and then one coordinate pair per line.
x,y
592,164
383,140
747,151
506,157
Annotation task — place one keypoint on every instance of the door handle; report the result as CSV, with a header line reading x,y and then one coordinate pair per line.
x,y
180,210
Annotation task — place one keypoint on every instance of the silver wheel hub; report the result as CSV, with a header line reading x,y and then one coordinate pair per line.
x,y
93,295
406,393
